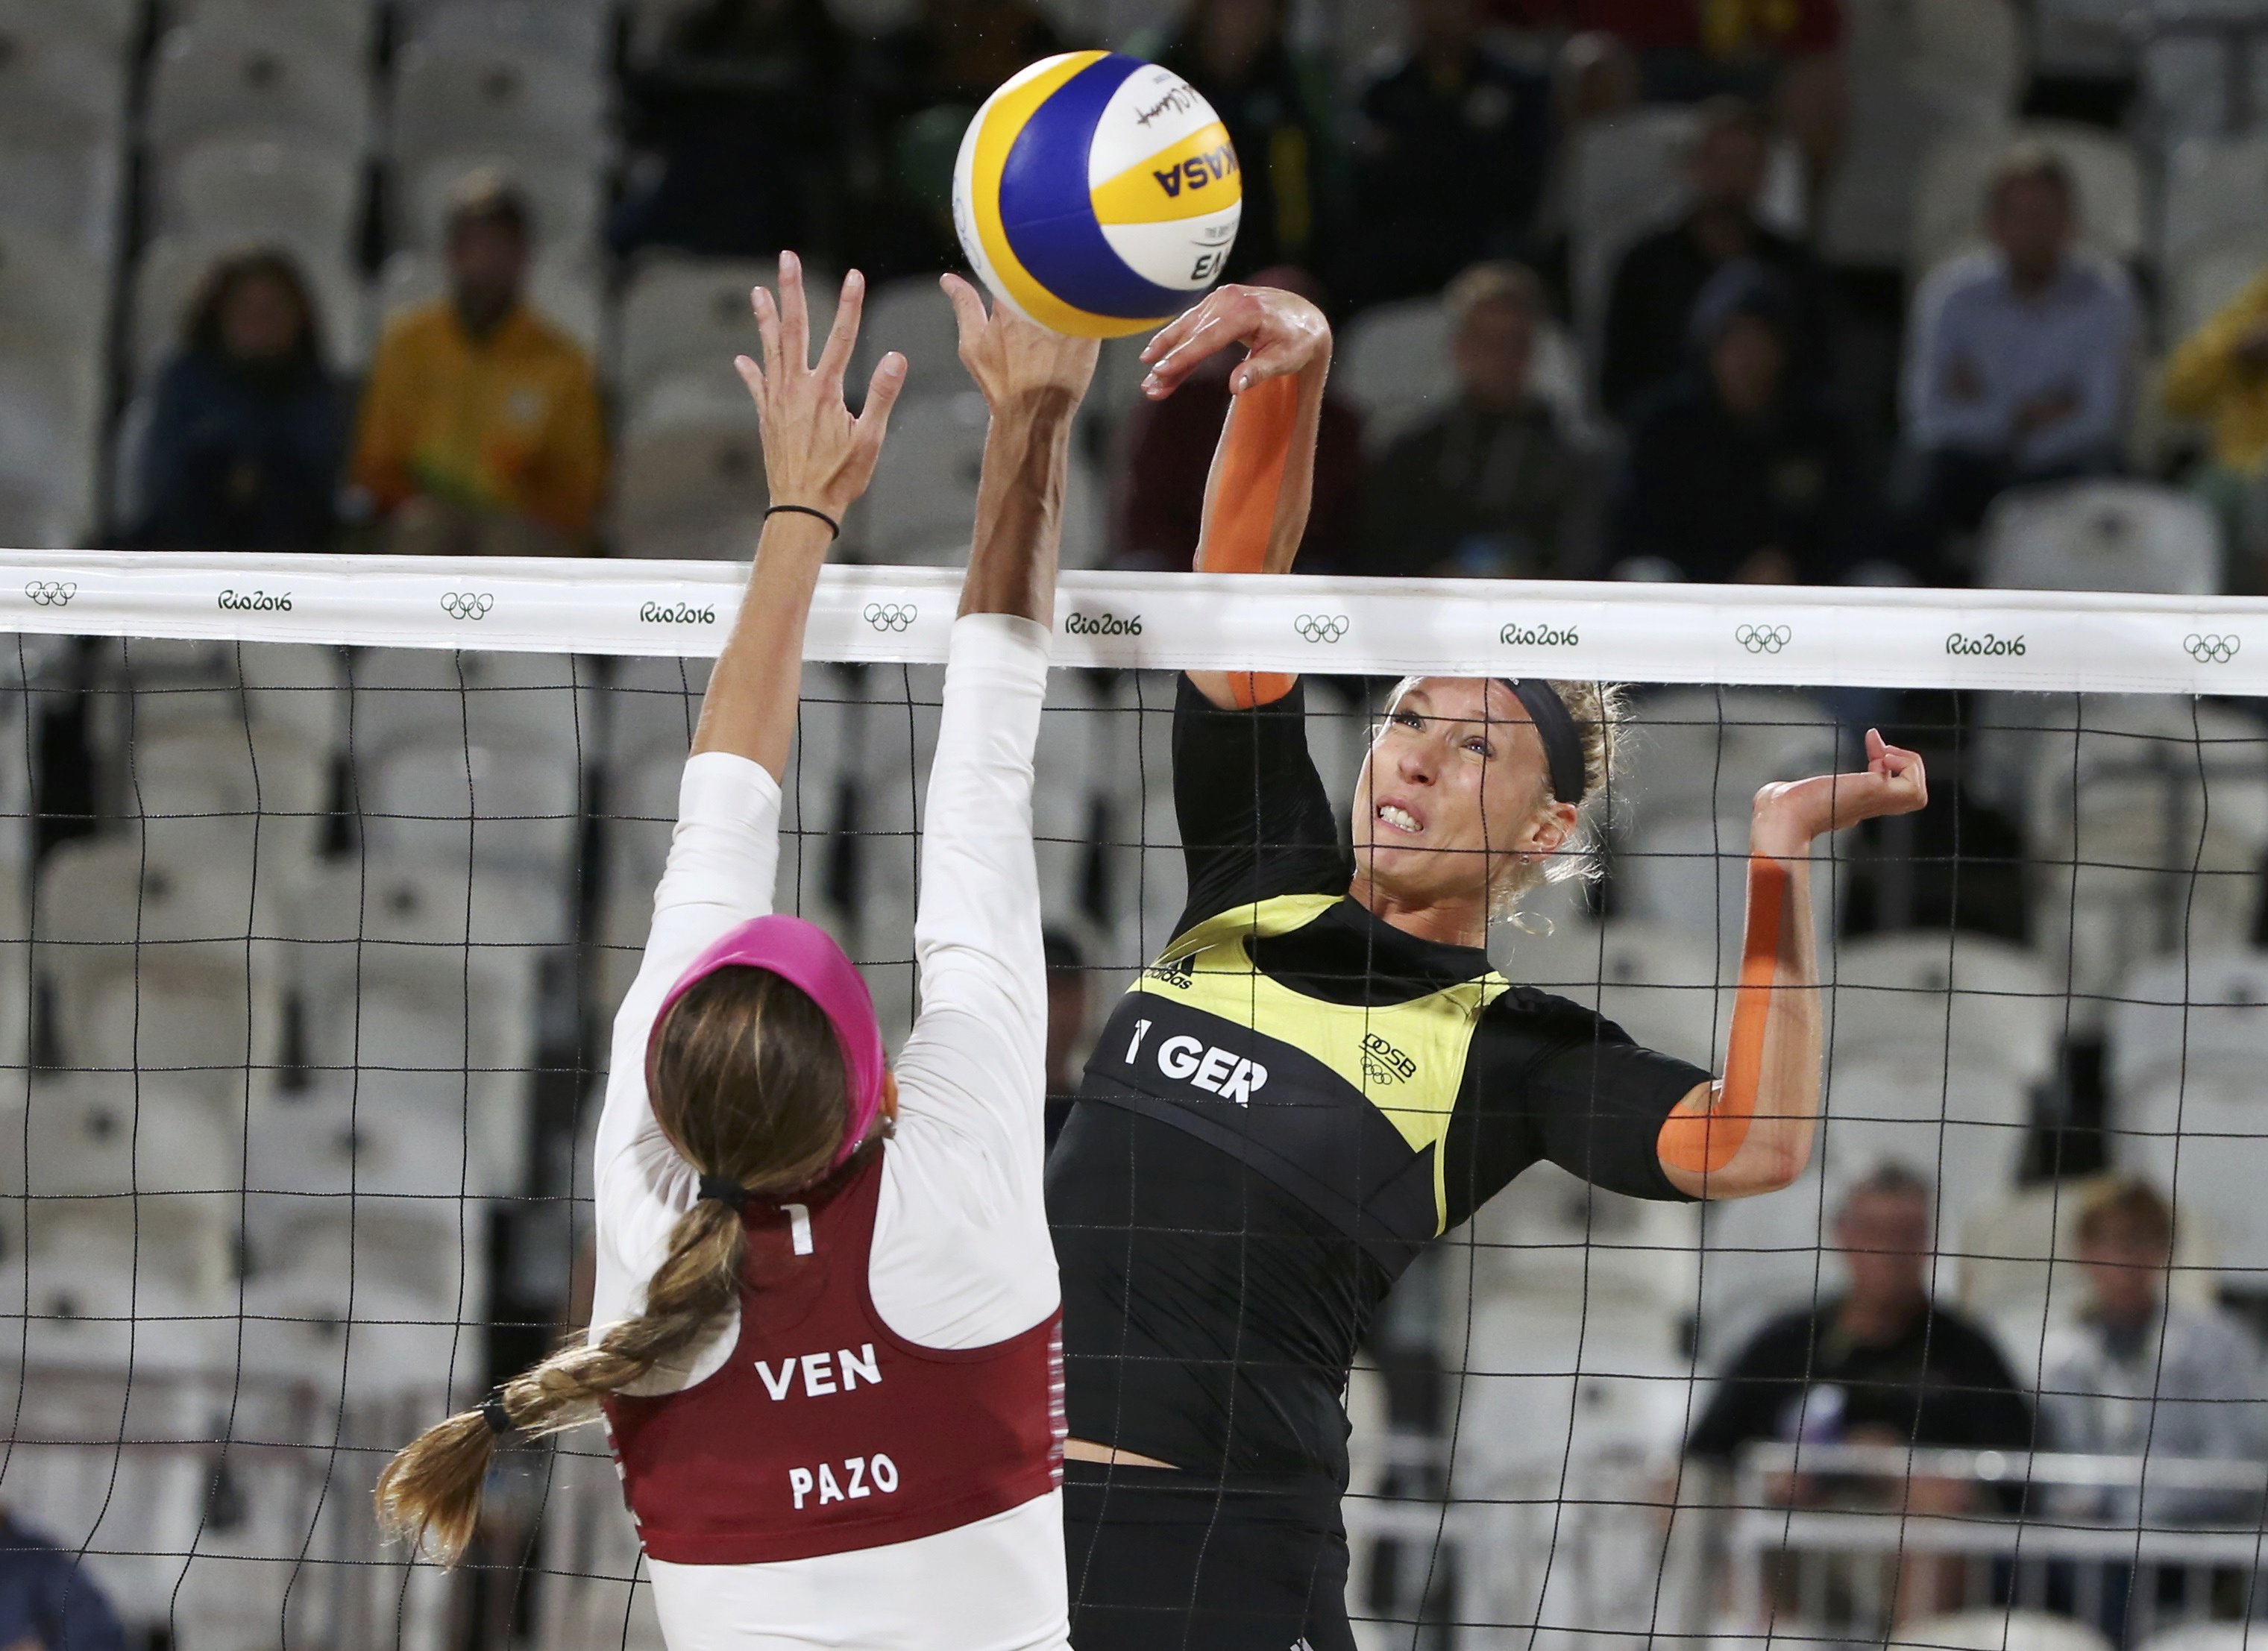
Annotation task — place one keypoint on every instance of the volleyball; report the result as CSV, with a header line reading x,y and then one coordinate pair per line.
x,y
1096,193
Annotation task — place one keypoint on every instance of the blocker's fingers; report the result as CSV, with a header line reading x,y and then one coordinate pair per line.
x,y
968,308
753,376
843,337
882,395
768,328
795,313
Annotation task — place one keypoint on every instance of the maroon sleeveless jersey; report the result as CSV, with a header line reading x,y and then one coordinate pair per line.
x,y
825,1432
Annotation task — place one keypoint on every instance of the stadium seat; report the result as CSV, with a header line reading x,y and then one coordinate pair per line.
x,y
107,26
1691,873
922,505
1949,195
2205,1636
2209,183
57,91
690,469
234,80
343,30
127,1134
1626,175
2208,278
913,317
652,705
564,202
1394,367
515,812
577,32
96,1300
545,703
2199,1012
685,316
49,449
1660,986
72,191
264,774
341,1329
2091,38
1946,1001
173,269
2101,535
457,97
300,686
258,190
1707,751
1988,1630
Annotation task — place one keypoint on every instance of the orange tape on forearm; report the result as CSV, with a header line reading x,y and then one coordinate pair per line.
x,y
1703,1143
1248,488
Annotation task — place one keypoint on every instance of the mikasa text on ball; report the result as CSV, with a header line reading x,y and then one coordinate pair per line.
x,y
1097,194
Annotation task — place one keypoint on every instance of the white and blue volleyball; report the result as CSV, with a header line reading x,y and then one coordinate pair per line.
x,y
1097,194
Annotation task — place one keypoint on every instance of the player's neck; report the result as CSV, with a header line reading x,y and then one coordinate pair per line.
x,y
1450,921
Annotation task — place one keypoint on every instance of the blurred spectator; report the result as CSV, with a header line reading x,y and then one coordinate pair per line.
x,y
1451,157
923,81
1594,77
48,1601
742,117
1882,1363
1490,486
1071,1005
2017,363
2140,1375
1278,109
1158,510
481,429
1650,306
2219,377
1697,48
1738,471
247,432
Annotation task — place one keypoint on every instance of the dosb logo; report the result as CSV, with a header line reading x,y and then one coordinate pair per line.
x,y
676,613
1103,626
2210,650
468,604
1516,635
254,602
1322,628
891,616
49,593
1382,1063
1987,645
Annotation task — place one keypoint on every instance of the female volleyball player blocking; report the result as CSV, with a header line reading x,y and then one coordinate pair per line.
x,y
1321,1072
825,1324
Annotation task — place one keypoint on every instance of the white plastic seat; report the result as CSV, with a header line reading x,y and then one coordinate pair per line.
x,y
692,467
574,32
1946,1003
543,702
2208,278
264,775
56,91
173,269
922,505
1988,1630
565,290
686,316
1707,751
1660,986
256,190
913,317
2101,535
1627,175
96,1302
72,191
461,97
2210,182
114,1135
230,79
563,196
329,1318
1949,196
107,26
49,447
344,30
1396,369
2203,1011
486,808
296,685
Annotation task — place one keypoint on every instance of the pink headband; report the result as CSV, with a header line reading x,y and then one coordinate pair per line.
x,y
804,956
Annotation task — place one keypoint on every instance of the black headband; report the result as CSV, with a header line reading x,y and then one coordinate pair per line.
x,y
1555,724
727,1192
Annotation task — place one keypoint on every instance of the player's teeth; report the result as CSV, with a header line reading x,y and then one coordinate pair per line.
x,y
1397,819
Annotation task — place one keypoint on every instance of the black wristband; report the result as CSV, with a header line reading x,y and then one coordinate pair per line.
x,y
833,526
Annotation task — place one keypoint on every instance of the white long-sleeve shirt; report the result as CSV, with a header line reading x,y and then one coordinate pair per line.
x,y
962,1255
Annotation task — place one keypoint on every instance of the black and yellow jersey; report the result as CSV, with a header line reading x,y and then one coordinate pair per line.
x,y
1282,1112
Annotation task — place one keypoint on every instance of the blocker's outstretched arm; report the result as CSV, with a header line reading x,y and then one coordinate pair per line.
x,y
1752,1131
817,458
1032,380
1263,473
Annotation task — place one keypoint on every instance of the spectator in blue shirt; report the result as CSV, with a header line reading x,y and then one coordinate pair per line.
x,y
2017,363
247,437
48,1600
1451,153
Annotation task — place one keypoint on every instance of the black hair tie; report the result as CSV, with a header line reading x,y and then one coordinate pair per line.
x,y
833,526
1555,724
493,1412
729,1193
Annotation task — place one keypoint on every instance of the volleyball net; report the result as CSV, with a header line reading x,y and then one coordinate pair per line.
x,y
326,875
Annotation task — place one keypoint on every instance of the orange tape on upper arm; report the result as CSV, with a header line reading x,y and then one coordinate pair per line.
x,y
1247,489
1702,1143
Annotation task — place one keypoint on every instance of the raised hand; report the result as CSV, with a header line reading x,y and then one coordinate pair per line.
x,y
1284,333
1793,812
1017,362
815,454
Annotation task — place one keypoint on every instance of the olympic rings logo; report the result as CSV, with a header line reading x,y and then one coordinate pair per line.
x,y
1325,628
1763,638
891,616
468,604
48,593
2212,650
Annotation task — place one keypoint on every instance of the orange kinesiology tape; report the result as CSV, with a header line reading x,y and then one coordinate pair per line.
x,y
1248,490
1703,1143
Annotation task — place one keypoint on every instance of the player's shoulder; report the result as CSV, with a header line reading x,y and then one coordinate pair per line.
x,y
1530,1010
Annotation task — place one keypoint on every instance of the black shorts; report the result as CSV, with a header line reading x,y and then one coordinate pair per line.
x,y
1170,1561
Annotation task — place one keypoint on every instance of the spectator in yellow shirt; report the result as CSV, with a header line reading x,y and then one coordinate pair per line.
x,y
481,429
2219,377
